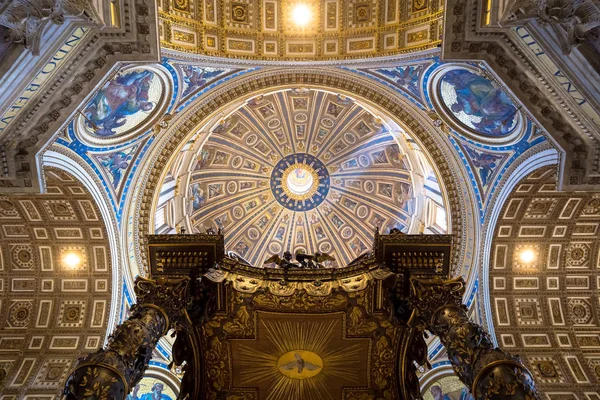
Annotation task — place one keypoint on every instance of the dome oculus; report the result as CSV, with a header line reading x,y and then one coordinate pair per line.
x,y
300,182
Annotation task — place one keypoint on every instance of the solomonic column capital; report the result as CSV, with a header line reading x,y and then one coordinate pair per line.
x,y
170,296
431,296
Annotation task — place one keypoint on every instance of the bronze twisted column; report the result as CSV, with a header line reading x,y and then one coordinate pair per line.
x,y
490,373
109,373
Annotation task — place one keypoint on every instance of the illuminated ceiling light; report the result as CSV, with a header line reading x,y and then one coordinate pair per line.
x,y
72,260
301,14
526,256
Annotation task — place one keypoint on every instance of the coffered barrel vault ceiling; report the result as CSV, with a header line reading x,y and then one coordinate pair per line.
x,y
547,310
307,170
50,314
263,29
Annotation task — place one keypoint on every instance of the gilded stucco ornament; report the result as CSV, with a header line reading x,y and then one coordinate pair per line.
x,y
335,30
286,282
490,372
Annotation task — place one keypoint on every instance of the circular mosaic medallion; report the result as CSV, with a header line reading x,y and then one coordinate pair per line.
x,y
350,138
253,233
478,103
124,106
232,187
274,123
236,162
238,212
325,247
327,122
362,211
275,248
300,118
300,182
251,139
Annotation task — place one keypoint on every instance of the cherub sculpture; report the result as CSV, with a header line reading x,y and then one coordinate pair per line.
x,y
285,262
313,261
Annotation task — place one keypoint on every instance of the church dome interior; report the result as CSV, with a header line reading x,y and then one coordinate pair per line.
x,y
303,170
299,200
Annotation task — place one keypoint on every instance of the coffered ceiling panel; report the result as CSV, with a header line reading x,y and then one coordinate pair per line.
x,y
544,284
266,29
50,311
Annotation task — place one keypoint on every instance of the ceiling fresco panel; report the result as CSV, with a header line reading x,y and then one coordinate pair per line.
x,y
265,29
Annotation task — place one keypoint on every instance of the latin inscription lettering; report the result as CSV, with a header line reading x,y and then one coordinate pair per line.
x,y
42,77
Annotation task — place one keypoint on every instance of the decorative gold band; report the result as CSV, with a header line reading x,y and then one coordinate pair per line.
x,y
106,366
310,192
491,365
163,312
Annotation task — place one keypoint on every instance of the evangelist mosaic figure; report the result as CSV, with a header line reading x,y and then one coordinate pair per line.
x,y
491,109
120,98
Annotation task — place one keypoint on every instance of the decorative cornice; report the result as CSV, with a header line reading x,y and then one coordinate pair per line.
x,y
371,62
572,20
26,20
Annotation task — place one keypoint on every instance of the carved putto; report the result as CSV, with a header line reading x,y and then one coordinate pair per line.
x,y
578,18
25,19
318,260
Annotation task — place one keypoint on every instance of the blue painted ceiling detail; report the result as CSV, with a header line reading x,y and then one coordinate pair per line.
x,y
478,105
116,165
406,78
112,134
487,165
194,77
128,94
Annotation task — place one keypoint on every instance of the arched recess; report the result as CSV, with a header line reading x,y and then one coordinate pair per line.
x,y
52,311
442,381
535,160
63,159
370,174
213,106
544,283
